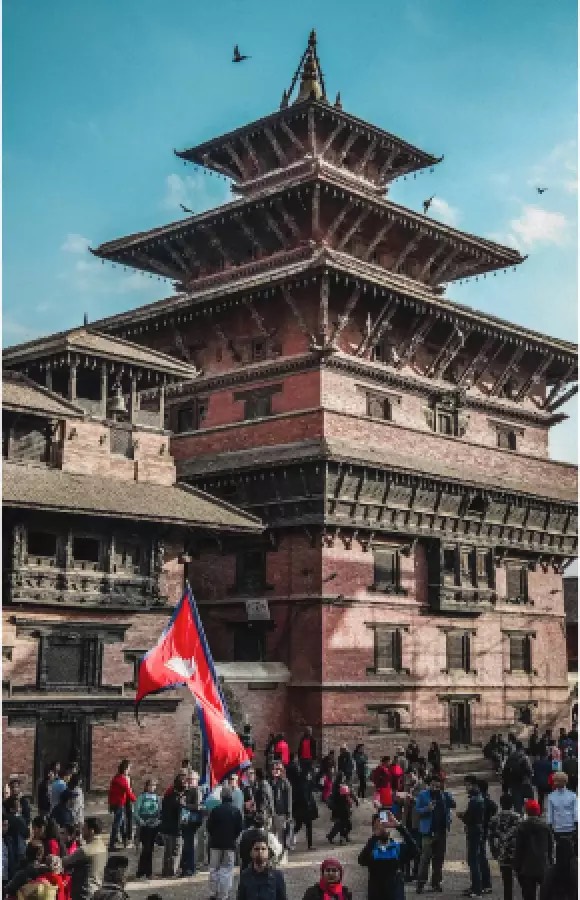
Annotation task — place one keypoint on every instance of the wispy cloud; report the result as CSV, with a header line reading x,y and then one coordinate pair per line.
x,y
75,243
198,192
535,226
440,209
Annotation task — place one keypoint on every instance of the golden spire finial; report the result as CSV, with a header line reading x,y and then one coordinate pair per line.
x,y
310,73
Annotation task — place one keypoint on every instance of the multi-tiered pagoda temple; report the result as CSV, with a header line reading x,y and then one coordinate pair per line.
x,y
394,442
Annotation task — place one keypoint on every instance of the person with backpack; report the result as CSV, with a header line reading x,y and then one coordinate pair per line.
x,y
502,840
516,770
307,750
148,818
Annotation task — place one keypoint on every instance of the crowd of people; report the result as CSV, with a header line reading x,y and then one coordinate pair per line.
x,y
253,819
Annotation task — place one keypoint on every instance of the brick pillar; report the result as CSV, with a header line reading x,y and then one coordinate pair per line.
x,y
104,389
133,406
72,382
162,406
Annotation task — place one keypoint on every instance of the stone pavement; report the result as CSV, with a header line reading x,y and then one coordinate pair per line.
x,y
302,869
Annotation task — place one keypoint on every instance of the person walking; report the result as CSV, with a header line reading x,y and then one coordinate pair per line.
x,y
263,797
281,806
224,826
542,769
434,757
172,807
473,818
361,762
345,764
381,778
304,807
331,884
191,819
148,818
489,811
561,880
282,750
515,772
43,800
385,856
252,834
341,803
87,864
502,836
307,750
433,807
562,809
120,794
534,847
259,881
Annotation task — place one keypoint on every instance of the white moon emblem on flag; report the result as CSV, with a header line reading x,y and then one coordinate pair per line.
x,y
184,667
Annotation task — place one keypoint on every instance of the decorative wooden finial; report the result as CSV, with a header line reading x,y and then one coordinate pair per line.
x,y
338,101
284,102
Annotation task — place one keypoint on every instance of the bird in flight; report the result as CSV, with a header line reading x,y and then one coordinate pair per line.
x,y
186,209
541,190
239,57
427,204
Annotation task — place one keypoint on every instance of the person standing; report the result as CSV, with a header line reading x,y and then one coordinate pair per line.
x,y
15,792
570,767
433,807
562,809
473,818
172,807
361,761
77,799
282,750
263,797
341,803
120,794
43,800
304,806
224,826
534,847
191,819
534,742
345,763
542,769
58,786
561,879
381,778
516,770
489,811
307,750
330,884
87,864
282,805
148,818
259,881
385,857
501,836
434,757
252,834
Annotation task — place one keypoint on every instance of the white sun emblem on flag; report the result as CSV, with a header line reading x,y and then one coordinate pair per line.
x,y
184,667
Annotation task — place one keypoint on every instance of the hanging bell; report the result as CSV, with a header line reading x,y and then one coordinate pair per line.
x,y
116,406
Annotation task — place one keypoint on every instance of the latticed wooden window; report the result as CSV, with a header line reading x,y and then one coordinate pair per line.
x,y
378,407
446,423
506,439
517,582
251,572
458,651
387,569
520,653
258,406
466,565
64,662
389,720
388,649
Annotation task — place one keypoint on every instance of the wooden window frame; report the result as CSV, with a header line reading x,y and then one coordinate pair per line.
x,y
385,403
523,592
198,409
466,652
396,637
526,645
387,586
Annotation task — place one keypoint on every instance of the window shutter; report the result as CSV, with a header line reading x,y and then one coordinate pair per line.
x,y
527,654
466,652
385,648
385,569
398,650
518,653
524,583
514,581
455,650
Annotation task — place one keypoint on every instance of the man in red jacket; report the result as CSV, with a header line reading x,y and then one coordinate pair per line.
x,y
307,751
382,780
120,794
282,750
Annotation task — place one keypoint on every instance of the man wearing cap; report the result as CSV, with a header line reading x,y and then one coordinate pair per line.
x,y
562,809
534,848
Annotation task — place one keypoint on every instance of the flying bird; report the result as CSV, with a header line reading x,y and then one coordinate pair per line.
x,y
239,57
427,204
186,209
541,190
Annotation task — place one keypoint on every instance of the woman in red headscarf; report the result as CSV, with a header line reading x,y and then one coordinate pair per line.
x,y
330,886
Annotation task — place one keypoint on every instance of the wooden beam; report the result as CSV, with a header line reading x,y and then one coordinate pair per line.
x,y
280,155
352,230
311,131
535,375
488,362
324,325
316,211
289,299
475,362
273,226
256,317
388,163
217,244
378,328
237,161
443,265
289,220
353,136
292,137
228,343
189,252
343,319
177,258
367,156
149,263
379,236
559,384
219,167
458,346
439,357
251,153
334,226
331,138
508,369
563,398
250,234
407,249
424,270
419,330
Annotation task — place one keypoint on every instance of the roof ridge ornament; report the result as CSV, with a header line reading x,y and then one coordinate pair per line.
x,y
309,71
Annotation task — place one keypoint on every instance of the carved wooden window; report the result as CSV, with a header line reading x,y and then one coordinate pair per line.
x,y
466,565
127,556
506,439
259,348
258,406
388,720
484,567
449,564
41,547
251,572
191,417
458,651
388,649
516,582
387,569
86,552
249,642
379,407
69,662
446,422
520,653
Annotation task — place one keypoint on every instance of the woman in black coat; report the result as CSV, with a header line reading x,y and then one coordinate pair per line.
x,y
304,808
434,757
341,803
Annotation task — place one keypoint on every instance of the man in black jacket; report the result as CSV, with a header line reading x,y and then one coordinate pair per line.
x,y
282,800
224,827
345,763
259,881
172,807
385,857
473,820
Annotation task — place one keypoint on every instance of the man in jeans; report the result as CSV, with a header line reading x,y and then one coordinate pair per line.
x,y
473,818
224,827
282,799
433,806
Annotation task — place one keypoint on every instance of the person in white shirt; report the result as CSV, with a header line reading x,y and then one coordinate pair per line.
x,y
562,808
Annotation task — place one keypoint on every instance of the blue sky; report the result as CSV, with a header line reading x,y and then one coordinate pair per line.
x,y
97,95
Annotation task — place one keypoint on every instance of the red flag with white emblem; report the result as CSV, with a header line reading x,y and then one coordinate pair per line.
x,y
182,657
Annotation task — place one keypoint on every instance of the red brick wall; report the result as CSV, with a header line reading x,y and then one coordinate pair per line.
x,y
18,753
